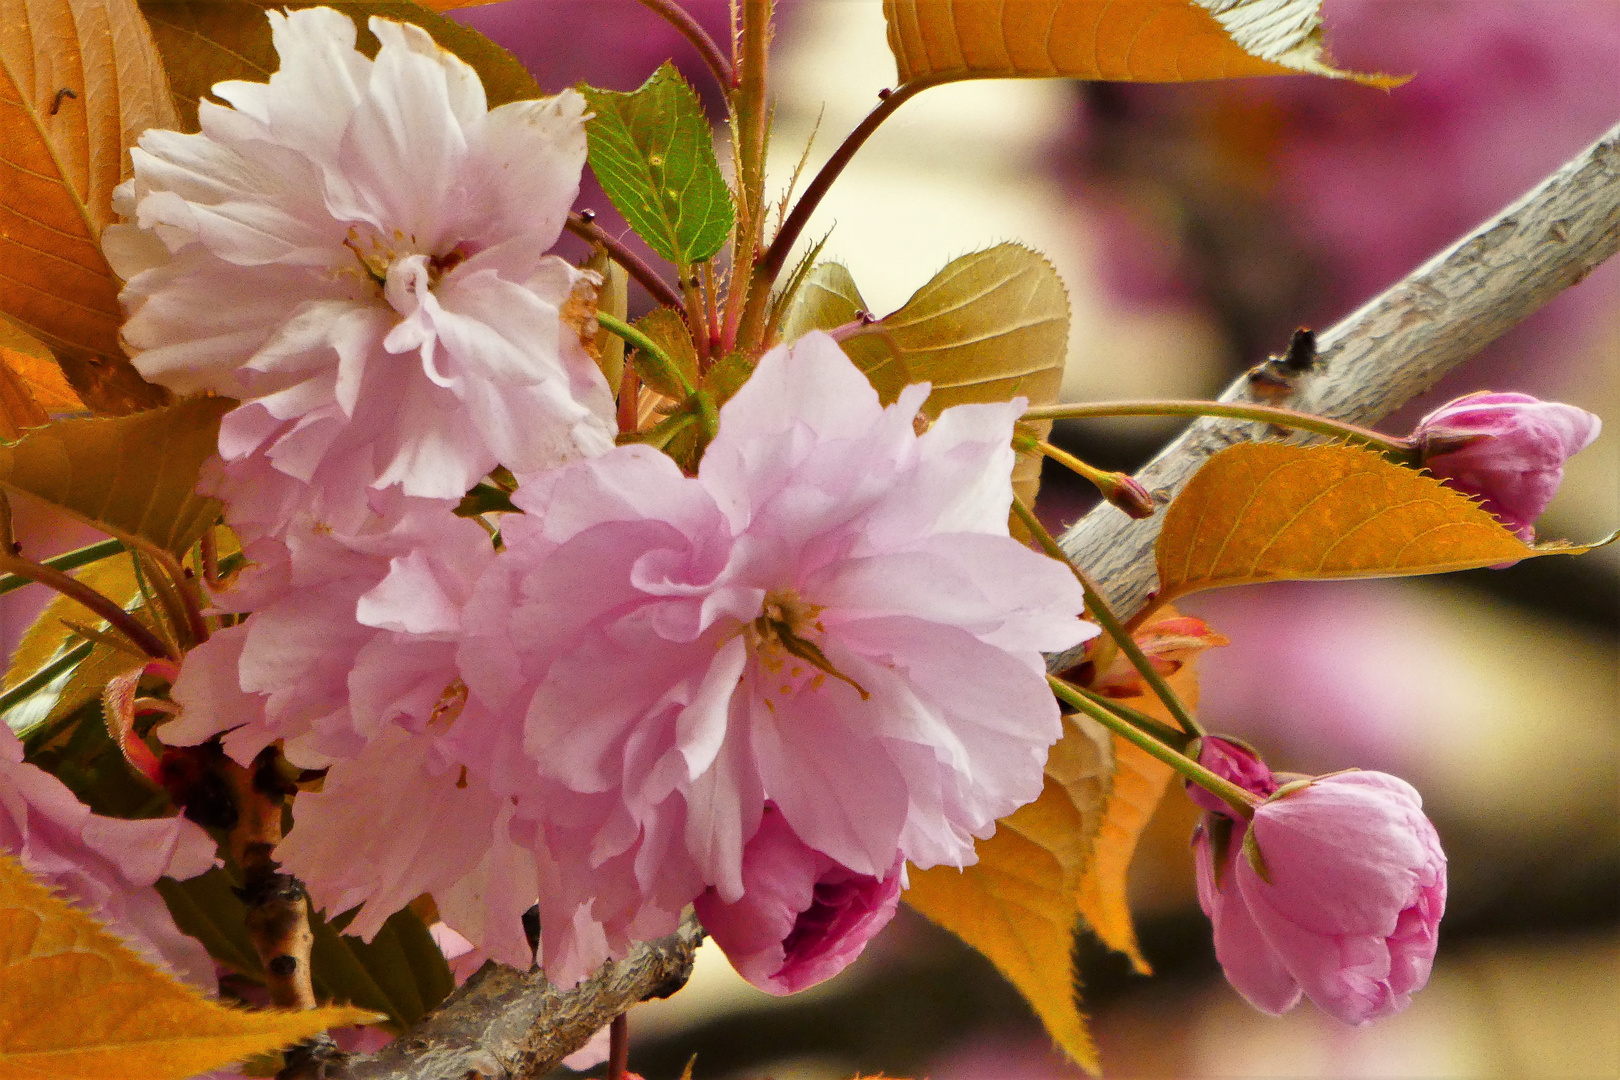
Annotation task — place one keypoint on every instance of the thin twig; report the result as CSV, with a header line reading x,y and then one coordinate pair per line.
x,y
693,31
1252,411
1394,348
68,560
750,125
646,276
770,265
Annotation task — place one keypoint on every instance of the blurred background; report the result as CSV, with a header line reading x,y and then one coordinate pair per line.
x,y
1195,227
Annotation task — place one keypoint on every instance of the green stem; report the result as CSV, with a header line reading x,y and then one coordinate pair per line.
x,y
750,119
1241,801
707,413
1157,728
648,347
68,560
1098,478
1261,414
43,677
1110,623
663,433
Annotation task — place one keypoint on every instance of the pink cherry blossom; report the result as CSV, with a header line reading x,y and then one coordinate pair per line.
x,y
802,917
1516,462
1337,894
355,251
830,616
106,865
348,659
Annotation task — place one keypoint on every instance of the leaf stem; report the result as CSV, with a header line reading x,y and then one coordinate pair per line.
x,y
659,289
629,401
1241,801
121,620
776,255
1262,414
693,31
750,117
649,348
618,1047
68,560
1158,729
190,608
1110,623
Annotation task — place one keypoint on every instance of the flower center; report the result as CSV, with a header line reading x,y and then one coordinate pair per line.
x,y
377,253
785,632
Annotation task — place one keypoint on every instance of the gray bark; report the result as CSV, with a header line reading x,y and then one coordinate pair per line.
x,y
1383,355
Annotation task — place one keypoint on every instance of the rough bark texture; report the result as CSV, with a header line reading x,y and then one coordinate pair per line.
x,y
1388,352
509,1025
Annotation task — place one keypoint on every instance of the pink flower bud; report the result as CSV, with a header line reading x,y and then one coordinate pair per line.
x,y
802,917
1230,761
1507,449
1337,895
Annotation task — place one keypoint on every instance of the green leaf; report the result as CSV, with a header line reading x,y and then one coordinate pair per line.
x,y
206,908
131,476
991,326
654,154
828,299
204,42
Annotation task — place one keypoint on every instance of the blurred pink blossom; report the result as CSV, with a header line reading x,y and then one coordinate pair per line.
x,y
1515,466
1304,197
802,918
356,251
1335,890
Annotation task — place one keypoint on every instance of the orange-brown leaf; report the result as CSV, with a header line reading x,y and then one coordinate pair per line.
x,y
1139,783
1272,511
43,380
1016,905
79,81
18,409
79,1003
937,41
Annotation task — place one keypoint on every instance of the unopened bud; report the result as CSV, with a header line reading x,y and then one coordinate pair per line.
x,y
1129,495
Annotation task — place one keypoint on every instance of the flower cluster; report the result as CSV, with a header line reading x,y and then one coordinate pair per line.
x,y
763,688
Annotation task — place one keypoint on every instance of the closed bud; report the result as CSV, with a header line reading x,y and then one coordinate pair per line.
x,y
1128,495
1507,450
1333,891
